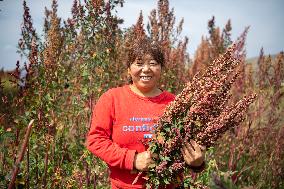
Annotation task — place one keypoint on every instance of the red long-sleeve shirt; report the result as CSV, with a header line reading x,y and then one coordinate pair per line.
x,y
121,120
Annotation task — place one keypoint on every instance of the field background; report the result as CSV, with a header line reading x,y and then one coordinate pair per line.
x,y
78,59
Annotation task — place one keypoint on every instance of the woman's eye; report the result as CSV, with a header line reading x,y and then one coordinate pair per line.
x,y
139,63
153,63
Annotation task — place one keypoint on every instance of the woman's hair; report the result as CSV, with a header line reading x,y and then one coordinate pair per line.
x,y
145,46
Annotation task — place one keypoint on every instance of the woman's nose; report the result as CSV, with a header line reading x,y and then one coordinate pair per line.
x,y
146,67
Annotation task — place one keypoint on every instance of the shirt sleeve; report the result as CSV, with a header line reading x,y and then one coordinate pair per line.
x,y
99,138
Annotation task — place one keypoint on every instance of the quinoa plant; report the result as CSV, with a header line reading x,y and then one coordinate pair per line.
x,y
202,111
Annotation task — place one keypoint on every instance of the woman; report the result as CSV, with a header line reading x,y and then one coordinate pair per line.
x,y
125,116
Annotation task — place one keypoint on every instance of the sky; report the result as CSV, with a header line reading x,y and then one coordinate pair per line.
x,y
263,16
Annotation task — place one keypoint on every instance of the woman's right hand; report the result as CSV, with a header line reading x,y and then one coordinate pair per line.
x,y
142,161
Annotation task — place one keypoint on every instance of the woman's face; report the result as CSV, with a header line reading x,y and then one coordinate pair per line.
x,y
145,72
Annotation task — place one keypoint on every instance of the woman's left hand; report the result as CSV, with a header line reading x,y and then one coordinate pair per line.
x,y
193,153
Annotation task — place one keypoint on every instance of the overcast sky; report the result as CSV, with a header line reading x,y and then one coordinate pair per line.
x,y
265,18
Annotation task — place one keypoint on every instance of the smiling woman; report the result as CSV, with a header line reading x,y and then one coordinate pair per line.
x,y
125,117
116,133
144,67
145,76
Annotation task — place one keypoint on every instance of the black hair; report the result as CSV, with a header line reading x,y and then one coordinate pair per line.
x,y
145,46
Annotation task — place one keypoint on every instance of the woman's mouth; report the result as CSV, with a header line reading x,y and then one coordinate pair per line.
x,y
145,78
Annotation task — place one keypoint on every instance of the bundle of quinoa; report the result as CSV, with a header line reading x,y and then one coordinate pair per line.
x,y
202,112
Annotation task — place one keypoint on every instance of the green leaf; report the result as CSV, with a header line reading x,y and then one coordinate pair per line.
x,y
27,113
166,181
165,158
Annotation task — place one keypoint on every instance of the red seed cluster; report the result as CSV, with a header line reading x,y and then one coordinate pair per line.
x,y
202,112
